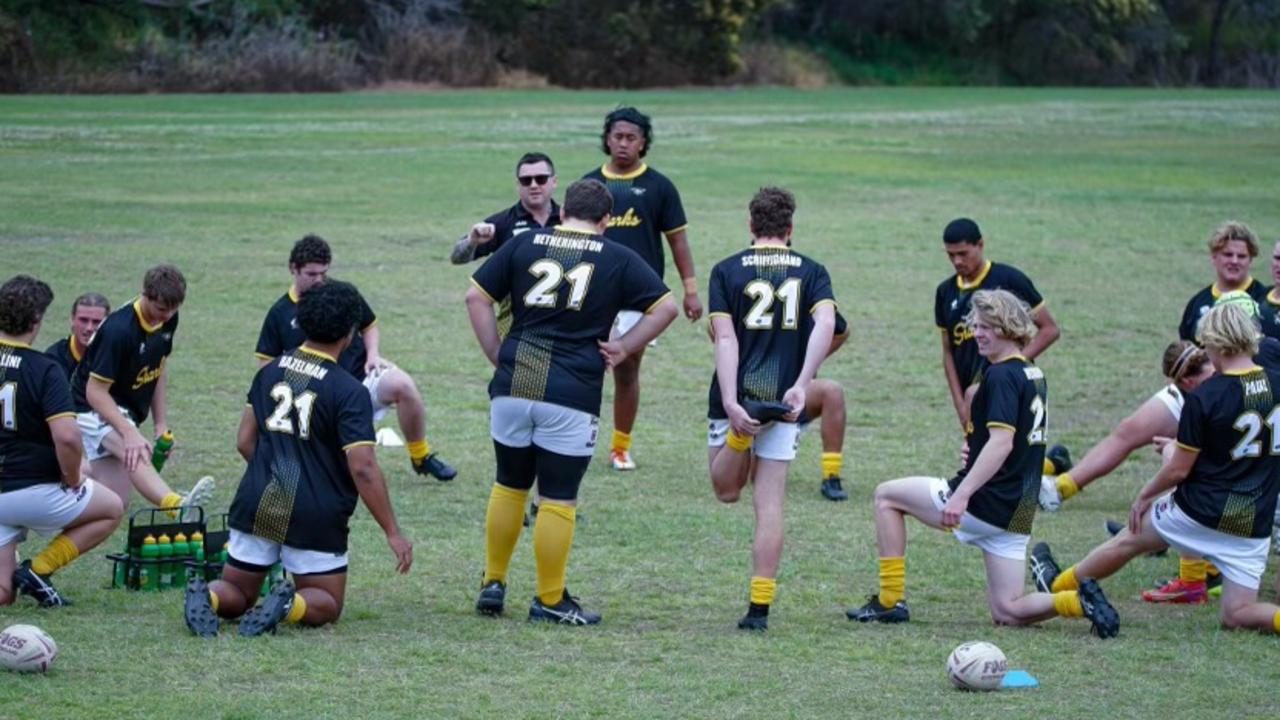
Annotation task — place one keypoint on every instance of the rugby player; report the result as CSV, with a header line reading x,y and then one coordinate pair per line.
x,y
773,314
122,380
41,487
566,286
1216,496
1232,248
646,208
388,385
307,436
962,364
87,314
992,501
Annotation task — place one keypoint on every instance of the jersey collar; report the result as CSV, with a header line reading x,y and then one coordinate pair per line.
x,y
71,347
960,283
311,351
576,231
1272,297
142,320
1216,292
1016,356
1241,371
293,296
604,170
14,344
523,213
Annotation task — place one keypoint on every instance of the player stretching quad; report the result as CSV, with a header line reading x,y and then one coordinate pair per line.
x,y
387,384
646,208
1232,248
962,364
307,434
773,315
565,286
41,487
87,314
992,501
121,380
1216,496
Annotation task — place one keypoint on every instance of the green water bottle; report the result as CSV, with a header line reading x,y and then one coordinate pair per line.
x,y
122,568
148,572
165,552
160,451
181,554
197,551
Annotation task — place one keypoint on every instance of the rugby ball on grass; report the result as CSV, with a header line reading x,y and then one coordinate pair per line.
x,y
26,648
977,665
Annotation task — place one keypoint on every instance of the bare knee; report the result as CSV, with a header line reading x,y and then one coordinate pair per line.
x,y
1002,614
727,495
6,596
1233,619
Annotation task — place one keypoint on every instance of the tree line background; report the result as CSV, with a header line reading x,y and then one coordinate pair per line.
x,y
325,45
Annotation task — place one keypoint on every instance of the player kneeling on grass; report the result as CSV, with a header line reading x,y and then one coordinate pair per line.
x,y
307,435
565,287
122,379
1224,474
992,501
41,487
773,314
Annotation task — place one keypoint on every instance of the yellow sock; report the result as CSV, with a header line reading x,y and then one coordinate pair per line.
x,y
893,580
832,462
762,590
1211,569
59,554
552,540
1192,570
1275,621
171,500
213,601
418,450
1067,604
1048,467
298,610
621,441
502,524
738,443
1067,486
1066,580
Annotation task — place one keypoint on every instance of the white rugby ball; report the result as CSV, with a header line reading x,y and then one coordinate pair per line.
x,y
977,665
26,648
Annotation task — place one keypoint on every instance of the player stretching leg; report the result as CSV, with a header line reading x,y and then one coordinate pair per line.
x,y
41,487
992,502
1216,497
307,435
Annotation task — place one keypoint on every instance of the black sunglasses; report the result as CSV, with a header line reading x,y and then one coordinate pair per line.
x,y
527,180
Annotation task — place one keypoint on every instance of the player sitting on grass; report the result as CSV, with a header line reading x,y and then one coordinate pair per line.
x,y
992,501
41,487
773,314
388,385
307,434
1216,496
121,380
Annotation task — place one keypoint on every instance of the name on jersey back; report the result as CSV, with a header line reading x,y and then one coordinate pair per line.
x,y
10,362
568,243
306,368
772,260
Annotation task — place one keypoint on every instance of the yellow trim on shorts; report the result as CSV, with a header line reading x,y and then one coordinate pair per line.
x,y
482,290
358,443
657,302
1186,447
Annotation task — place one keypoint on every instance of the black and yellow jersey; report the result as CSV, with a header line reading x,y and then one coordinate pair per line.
x,y
280,334
1230,422
565,286
1013,396
646,207
33,392
64,353
951,305
1203,301
1269,313
129,354
769,293
297,489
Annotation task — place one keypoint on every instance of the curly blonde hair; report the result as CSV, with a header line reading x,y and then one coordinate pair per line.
x,y
1003,311
1229,331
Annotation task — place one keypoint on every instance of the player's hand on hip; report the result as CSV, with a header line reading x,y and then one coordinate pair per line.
x,y
482,232
612,352
795,397
403,549
954,510
375,364
692,306
740,421
136,450
1139,510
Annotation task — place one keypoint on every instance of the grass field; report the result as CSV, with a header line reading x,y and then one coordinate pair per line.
x,y
1104,198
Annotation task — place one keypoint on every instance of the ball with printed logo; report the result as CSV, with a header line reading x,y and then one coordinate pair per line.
x,y
977,665
26,648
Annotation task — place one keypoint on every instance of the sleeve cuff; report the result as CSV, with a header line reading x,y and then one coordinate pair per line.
x,y
657,302
1187,447
55,416
480,287
674,230
1003,426
358,443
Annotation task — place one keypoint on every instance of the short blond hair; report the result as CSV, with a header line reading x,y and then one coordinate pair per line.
x,y
1231,231
1229,331
1003,311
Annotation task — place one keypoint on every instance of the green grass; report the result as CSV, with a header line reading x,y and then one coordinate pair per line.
x,y
1104,198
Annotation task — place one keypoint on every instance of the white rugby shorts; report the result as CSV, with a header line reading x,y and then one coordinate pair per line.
x,y
980,533
93,430
626,320
45,508
518,422
258,551
372,382
1171,397
776,440
1241,560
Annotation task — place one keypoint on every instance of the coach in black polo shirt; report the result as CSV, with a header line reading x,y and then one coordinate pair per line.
x,y
535,183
